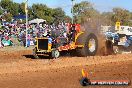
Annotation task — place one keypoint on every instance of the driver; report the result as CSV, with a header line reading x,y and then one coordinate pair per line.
x,y
72,32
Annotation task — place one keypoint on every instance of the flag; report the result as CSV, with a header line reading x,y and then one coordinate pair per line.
x,y
84,74
117,25
26,7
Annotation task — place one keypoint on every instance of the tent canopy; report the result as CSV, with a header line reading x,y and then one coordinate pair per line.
x,y
20,17
37,21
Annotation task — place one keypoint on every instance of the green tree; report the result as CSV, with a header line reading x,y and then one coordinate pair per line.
x,y
121,15
22,8
131,15
14,9
1,11
30,13
106,17
84,11
59,15
43,12
50,15
35,11
8,17
10,6
67,19
5,4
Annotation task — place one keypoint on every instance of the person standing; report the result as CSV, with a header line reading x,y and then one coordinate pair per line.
x,y
28,40
1,46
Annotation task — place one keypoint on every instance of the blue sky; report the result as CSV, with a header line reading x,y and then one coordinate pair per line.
x,y
101,5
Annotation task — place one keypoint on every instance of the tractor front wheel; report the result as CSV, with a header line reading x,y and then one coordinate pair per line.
x,y
55,54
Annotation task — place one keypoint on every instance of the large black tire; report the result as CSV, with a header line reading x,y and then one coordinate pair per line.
x,y
72,53
85,40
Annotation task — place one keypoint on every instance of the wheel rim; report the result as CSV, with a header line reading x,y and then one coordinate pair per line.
x,y
56,54
92,45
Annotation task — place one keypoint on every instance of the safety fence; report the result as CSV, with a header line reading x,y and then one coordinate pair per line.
x,y
17,42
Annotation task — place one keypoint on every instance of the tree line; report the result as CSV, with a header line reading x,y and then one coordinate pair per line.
x,y
83,11
51,15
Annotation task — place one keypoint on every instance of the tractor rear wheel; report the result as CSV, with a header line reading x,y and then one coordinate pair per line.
x,y
90,43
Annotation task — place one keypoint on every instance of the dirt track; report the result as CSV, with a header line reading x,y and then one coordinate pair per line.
x,y
18,70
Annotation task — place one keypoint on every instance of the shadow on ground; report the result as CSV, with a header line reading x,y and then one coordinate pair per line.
x,y
40,57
